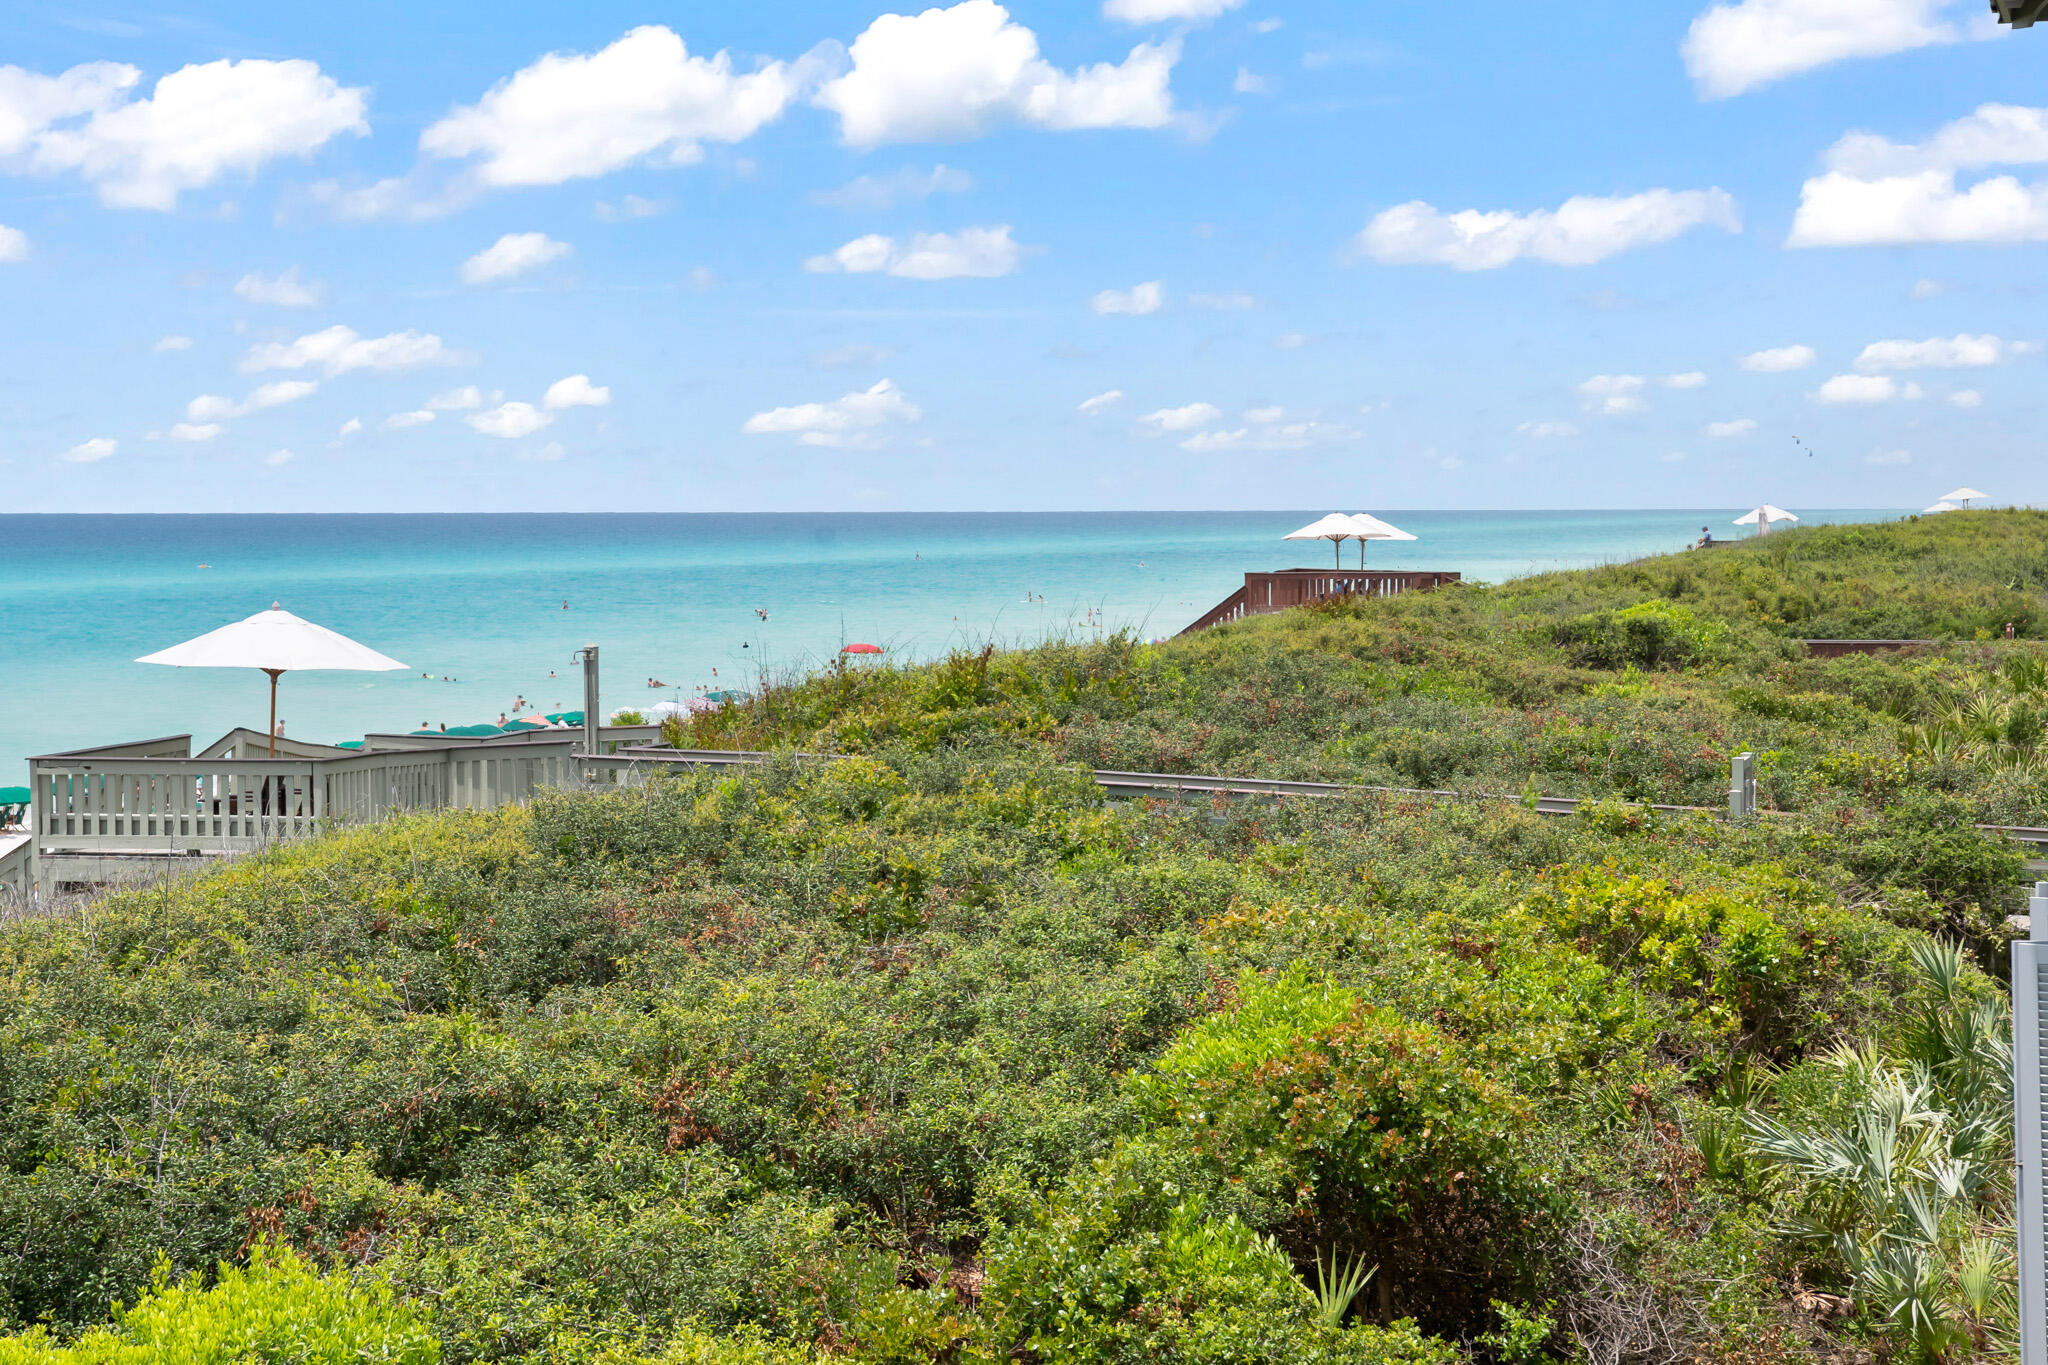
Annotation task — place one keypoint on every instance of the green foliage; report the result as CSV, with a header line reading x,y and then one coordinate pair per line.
x,y
277,1308
1905,1185
1337,1286
1521,1336
933,1054
1304,1091
1651,634
1724,951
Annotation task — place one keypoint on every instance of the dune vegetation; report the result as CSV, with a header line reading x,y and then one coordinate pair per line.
x,y
927,1052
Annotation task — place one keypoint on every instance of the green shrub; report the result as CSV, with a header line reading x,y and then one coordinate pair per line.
x,y
1723,951
1119,1266
278,1308
1653,634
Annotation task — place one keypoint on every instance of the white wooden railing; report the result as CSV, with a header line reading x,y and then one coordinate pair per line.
x,y
156,797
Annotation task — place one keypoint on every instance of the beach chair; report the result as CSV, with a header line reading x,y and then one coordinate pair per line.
x,y
13,807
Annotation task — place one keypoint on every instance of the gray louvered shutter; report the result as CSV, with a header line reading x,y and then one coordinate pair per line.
x,y
2030,1123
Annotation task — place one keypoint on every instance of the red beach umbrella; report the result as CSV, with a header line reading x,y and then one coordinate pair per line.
x,y
861,649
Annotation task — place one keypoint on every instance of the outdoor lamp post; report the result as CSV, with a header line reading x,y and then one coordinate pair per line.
x,y
2020,13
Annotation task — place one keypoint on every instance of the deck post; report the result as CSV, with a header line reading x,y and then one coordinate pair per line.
x,y
592,720
1742,786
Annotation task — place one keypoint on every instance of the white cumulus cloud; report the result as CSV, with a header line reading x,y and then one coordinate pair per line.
x,y
1877,192
515,253
1936,353
1185,418
195,431
214,407
1136,301
287,290
399,421
1610,394
1740,426
339,349
1100,403
1270,429
351,426
874,193
629,207
642,99
1691,379
975,253
172,343
13,245
1966,398
947,75
464,399
1778,359
510,421
199,124
1163,11
93,451
1581,231
1865,388
858,419
1732,48
576,391
1547,430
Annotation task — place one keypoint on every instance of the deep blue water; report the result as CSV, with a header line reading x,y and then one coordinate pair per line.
x,y
669,596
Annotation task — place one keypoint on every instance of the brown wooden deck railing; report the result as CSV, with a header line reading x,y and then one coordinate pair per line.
x,y
1284,588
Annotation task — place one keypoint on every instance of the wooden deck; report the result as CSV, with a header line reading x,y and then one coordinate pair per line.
x,y
1283,588
125,811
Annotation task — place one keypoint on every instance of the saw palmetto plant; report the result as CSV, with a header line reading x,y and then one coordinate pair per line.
x,y
1908,1190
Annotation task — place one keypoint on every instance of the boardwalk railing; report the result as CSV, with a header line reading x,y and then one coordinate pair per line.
x,y
156,798
101,813
1284,588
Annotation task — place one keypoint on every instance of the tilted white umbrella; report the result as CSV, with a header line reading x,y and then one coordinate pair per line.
x,y
274,641
1943,506
1762,517
1335,528
1964,496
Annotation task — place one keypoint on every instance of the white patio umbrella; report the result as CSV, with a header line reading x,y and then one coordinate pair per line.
x,y
1335,528
1366,526
274,641
1963,496
1762,517
1943,506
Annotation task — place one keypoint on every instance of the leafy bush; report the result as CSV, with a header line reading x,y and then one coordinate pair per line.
x,y
277,1308
1652,634
1723,951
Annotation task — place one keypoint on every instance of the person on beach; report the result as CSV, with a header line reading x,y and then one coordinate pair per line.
x,y
2008,630
501,718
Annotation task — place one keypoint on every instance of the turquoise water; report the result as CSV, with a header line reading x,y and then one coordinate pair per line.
x,y
673,597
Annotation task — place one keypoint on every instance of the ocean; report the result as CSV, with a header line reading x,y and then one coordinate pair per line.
x,y
676,598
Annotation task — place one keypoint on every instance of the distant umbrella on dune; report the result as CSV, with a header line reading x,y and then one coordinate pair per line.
x,y
1943,506
860,649
1963,497
1762,517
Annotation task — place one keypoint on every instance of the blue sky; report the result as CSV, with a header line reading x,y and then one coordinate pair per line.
x,y
1116,254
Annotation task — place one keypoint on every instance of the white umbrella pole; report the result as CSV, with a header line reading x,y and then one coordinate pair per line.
x,y
273,672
